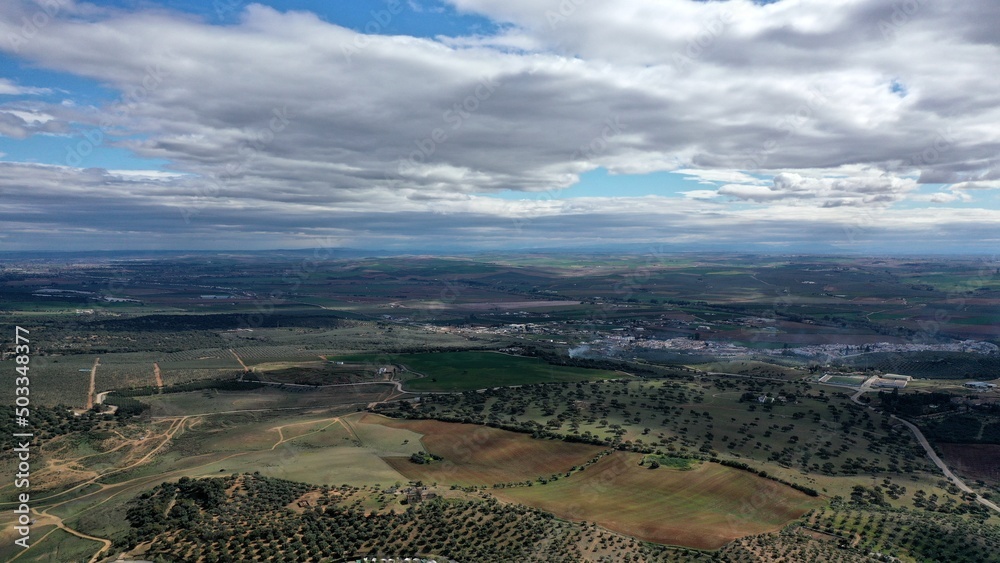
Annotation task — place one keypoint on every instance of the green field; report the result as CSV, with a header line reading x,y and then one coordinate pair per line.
x,y
464,371
670,462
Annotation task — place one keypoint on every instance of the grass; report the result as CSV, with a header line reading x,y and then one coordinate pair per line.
x,y
704,508
753,368
333,466
384,439
679,463
316,373
326,436
57,545
212,401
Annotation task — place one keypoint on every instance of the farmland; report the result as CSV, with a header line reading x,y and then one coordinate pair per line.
x,y
667,408
975,461
706,507
462,371
477,455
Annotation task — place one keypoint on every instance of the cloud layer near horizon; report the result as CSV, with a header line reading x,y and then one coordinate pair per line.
x,y
803,121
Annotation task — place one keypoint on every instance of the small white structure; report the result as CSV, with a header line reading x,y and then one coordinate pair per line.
x,y
980,385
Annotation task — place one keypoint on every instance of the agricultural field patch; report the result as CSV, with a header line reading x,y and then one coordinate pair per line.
x,y
376,432
753,368
295,462
975,461
704,508
655,461
460,371
320,372
931,365
479,455
214,401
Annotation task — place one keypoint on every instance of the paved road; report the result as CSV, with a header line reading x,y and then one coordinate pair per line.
x,y
865,387
927,447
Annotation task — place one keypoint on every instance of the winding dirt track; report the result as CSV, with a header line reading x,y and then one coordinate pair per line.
x,y
177,426
45,516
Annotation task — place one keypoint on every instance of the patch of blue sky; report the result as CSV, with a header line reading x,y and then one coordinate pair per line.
x,y
62,85
601,183
75,151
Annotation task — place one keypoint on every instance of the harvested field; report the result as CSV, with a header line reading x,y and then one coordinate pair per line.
x,y
704,508
480,455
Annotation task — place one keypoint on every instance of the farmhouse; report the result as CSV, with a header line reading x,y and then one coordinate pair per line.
x,y
980,385
415,496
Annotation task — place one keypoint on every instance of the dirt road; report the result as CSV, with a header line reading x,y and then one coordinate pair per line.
x,y
93,383
235,355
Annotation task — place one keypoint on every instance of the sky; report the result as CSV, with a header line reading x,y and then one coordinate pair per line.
x,y
857,126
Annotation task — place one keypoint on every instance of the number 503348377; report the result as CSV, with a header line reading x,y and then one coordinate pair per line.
x,y
22,350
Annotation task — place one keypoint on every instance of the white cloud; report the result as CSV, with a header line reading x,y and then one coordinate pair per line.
x,y
506,40
700,194
10,88
720,176
287,113
794,188
30,117
151,175
946,197
977,185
